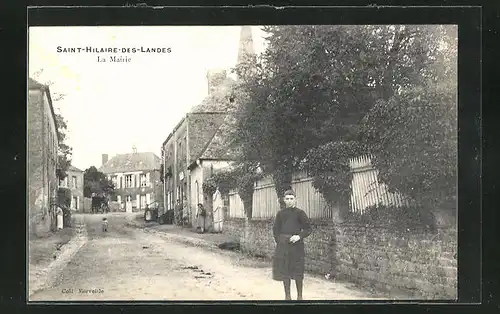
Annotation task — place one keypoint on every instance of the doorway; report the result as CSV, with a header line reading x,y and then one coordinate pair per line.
x,y
128,204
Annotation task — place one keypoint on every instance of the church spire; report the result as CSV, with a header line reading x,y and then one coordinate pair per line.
x,y
245,49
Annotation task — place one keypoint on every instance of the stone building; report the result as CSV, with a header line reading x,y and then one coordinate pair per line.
x,y
43,143
216,155
136,177
74,182
198,143
181,148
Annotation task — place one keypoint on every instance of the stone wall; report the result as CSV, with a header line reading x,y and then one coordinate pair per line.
x,y
259,239
234,227
35,160
415,264
421,264
42,160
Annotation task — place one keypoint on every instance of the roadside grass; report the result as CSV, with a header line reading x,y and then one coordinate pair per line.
x,y
42,248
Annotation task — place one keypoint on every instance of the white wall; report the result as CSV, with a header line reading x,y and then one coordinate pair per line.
x,y
196,194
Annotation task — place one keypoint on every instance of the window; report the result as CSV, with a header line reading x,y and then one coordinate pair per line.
x,y
128,181
114,181
129,198
75,202
64,182
172,203
197,189
184,153
74,182
144,180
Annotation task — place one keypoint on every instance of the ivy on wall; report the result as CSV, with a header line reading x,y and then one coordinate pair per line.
x,y
241,177
329,167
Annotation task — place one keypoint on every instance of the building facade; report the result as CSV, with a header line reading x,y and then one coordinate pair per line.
x,y
74,182
136,178
43,143
217,155
181,148
188,155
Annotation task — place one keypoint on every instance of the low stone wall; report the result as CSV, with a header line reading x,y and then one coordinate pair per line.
x,y
87,205
235,228
419,264
259,239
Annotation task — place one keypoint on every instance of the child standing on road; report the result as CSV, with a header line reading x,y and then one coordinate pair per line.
x,y
105,224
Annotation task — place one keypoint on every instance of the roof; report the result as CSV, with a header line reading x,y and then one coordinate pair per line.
x,y
173,131
32,84
186,117
220,147
131,162
75,169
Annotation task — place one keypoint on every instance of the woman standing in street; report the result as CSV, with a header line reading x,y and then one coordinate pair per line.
x,y
178,213
59,218
290,228
200,215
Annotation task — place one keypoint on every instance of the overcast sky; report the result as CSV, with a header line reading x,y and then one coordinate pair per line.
x,y
110,107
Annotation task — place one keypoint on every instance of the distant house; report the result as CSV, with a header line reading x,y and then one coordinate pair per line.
x,y
136,177
74,181
43,142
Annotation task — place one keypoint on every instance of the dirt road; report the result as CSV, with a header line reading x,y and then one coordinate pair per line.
x,y
129,264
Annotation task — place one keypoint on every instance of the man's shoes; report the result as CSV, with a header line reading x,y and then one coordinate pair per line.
x,y
299,297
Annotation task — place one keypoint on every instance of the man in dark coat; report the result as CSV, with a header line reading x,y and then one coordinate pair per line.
x,y
290,228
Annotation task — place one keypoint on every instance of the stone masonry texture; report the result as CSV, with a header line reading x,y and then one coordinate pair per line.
x,y
42,162
414,263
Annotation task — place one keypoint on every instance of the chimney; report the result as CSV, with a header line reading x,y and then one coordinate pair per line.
x,y
134,149
104,158
215,78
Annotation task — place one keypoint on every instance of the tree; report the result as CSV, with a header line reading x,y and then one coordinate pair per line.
x,y
96,182
311,86
329,167
64,152
245,175
413,135
312,89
